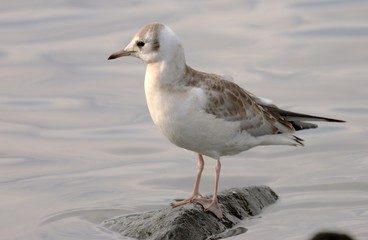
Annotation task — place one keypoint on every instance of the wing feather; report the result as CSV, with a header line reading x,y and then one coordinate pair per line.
x,y
257,116
228,101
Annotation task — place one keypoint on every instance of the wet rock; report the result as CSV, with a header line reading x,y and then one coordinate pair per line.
x,y
191,222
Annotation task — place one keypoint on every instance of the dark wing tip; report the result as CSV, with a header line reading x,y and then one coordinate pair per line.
x,y
334,120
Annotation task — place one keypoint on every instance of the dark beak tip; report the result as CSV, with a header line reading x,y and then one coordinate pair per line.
x,y
119,54
114,56
111,57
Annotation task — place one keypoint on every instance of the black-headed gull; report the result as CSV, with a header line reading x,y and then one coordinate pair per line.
x,y
204,112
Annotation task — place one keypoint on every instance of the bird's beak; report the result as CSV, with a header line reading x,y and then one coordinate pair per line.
x,y
121,53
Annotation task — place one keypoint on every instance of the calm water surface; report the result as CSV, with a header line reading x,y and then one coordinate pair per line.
x,y
77,144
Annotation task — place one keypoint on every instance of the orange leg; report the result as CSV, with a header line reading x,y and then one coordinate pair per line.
x,y
212,205
195,194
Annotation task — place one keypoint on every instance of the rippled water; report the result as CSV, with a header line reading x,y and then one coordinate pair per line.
x,y
77,144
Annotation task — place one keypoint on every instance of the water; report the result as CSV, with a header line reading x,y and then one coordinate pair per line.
x,y
77,144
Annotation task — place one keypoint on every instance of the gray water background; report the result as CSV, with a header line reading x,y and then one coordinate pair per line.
x,y
77,144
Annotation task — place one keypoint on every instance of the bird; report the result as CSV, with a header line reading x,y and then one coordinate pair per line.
x,y
205,112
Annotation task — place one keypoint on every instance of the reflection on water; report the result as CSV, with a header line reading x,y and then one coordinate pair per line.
x,y
78,146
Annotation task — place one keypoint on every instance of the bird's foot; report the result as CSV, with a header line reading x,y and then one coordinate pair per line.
x,y
190,199
210,205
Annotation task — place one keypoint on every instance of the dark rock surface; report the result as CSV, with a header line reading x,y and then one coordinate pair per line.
x,y
190,221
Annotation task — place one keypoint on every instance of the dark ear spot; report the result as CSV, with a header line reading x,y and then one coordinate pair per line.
x,y
155,46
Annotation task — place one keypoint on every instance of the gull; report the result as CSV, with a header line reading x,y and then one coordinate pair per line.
x,y
205,113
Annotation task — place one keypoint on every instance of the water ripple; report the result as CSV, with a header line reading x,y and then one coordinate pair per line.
x,y
333,32
19,103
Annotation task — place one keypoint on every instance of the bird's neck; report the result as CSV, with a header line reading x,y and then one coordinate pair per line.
x,y
162,79
168,71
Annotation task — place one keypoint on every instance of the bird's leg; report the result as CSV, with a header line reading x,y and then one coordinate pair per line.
x,y
212,205
196,184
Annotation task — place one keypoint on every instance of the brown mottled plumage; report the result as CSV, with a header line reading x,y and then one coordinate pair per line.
x,y
228,101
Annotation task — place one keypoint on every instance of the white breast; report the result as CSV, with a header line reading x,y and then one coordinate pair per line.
x,y
179,114
168,106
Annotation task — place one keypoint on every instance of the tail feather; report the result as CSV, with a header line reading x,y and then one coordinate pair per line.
x,y
280,139
298,140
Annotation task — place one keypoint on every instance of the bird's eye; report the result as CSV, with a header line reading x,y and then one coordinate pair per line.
x,y
140,44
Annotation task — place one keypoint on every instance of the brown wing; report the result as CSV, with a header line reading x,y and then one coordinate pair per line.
x,y
228,101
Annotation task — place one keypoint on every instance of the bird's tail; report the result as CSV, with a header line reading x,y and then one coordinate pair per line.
x,y
281,139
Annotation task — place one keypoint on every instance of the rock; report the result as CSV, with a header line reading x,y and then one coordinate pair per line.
x,y
331,236
190,221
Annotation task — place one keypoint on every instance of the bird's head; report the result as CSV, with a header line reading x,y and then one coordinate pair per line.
x,y
153,43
